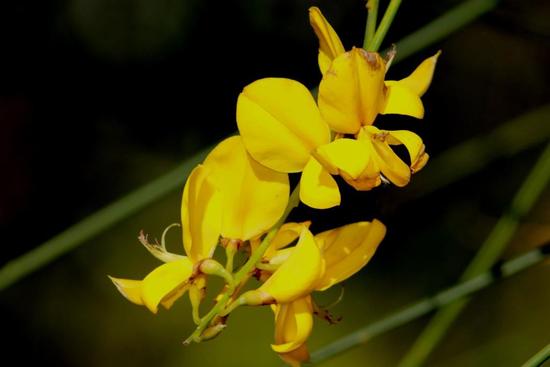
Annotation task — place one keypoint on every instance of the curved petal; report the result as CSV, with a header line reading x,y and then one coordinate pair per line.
x,y
280,123
420,163
347,249
421,78
298,274
253,196
352,91
200,215
330,45
129,288
387,161
285,236
165,281
402,101
344,155
317,187
414,146
293,324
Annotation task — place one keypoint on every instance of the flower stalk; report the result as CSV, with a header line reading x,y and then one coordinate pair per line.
x,y
372,18
384,26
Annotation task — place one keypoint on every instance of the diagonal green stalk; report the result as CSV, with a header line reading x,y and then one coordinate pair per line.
x,y
443,26
372,18
538,359
245,270
384,26
487,255
98,222
427,305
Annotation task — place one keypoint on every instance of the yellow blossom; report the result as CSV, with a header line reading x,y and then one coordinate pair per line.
x,y
293,325
284,129
171,280
315,263
231,196
351,95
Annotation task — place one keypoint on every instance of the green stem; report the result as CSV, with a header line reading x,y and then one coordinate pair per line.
x,y
384,26
230,251
443,26
245,270
372,18
487,255
427,305
538,359
98,222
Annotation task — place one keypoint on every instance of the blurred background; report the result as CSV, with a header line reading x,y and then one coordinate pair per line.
x,y
99,97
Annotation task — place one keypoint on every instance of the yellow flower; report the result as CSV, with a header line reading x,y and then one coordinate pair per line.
x,y
351,95
283,128
231,196
293,325
316,263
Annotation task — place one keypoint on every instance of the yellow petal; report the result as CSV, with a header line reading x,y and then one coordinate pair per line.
x,y
420,163
296,276
129,288
344,155
201,215
280,123
347,249
330,45
413,143
165,281
387,161
421,77
402,101
352,91
324,62
280,256
285,236
293,325
317,187
253,196
369,178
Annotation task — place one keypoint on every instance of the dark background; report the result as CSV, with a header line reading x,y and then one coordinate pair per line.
x,y
98,97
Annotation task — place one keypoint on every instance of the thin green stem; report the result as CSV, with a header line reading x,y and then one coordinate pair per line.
x,y
507,140
443,26
372,18
487,255
98,222
230,251
245,270
538,359
427,305
384,26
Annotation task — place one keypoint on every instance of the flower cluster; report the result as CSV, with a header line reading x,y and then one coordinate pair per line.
x,y
239,197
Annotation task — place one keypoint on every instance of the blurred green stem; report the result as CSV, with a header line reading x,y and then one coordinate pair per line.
x,y
443,26
98,222
489,252
384,26
538,359
372,18
427,305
